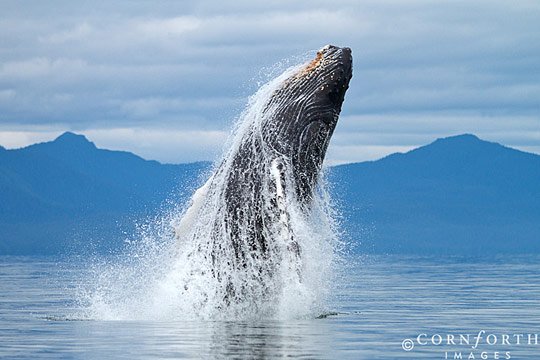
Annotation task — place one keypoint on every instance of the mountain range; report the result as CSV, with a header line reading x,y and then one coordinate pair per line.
x,y
69,194
457,195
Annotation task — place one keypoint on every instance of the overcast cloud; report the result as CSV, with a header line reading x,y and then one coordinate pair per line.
x,y
166,79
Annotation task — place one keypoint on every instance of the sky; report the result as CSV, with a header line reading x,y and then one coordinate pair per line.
x,y
167,79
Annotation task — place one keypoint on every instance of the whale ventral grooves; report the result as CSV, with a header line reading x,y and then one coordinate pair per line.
x,y
302,114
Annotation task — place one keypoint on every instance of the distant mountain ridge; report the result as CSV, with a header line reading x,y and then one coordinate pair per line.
x,y
61,189
457,195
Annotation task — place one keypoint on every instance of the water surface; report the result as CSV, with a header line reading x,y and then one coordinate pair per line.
x,y
379,302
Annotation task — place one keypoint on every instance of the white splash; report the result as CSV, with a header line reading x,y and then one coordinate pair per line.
x,y
183,265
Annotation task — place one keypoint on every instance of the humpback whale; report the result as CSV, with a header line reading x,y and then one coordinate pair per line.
x,y
240,232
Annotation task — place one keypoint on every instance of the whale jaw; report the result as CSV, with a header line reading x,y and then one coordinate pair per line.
x,y
305,113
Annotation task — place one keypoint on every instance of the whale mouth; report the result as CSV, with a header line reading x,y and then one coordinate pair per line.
x,y
336,72
309,98
330,73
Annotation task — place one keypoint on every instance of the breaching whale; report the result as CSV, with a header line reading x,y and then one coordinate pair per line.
x,y
239,232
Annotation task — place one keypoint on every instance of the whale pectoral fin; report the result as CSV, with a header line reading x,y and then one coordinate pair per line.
x,y
192,212
279,200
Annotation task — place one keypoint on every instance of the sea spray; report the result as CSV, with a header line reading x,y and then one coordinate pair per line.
x,y
189,264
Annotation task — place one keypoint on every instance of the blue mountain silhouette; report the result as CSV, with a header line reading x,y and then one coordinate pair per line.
x,y
67,191
457,195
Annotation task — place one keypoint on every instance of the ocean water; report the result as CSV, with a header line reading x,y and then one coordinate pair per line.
x,y
377,304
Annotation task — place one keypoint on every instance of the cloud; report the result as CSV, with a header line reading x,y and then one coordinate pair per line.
x,y
169,146
343,154
413,130
78,33
421,69
39,68
18,139
7,94
165,145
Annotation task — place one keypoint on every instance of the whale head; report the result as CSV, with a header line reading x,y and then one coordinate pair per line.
x,y
305,110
